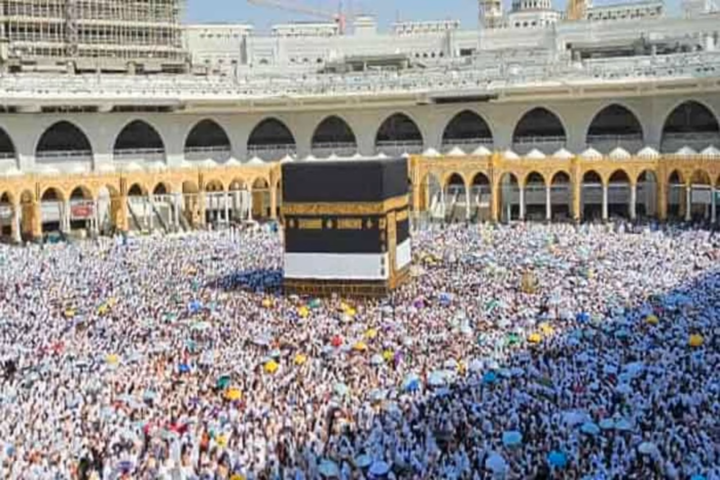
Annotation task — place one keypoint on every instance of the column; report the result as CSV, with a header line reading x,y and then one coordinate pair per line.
x,y
66,217
604,202
467,203
250,205
15,226
548,203
201,208
149,210
521,192
662,197
633,201
688,202
226,197
273,203
494,202
713,206
576,199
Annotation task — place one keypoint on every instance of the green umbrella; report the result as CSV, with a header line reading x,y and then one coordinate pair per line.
x,y
223,382
512,339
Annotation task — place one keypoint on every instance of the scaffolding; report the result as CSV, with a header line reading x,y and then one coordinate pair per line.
x,y
92,35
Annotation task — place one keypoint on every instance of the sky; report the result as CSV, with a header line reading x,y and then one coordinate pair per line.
x,y
386,11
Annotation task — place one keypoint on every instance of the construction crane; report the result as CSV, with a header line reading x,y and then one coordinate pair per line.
x,y
338,17
577,9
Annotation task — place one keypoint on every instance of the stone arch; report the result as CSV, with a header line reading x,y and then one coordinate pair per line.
x,y
214,185
52,209
139,139
646,194
456,197
271,138
61,140
690,123
539,128
81,192
261,198
618,197
467,128
7,210
615,126
207,139
480,197
399,132
700,185
591,193
676,195
534,196
534,177
7,146
333,135
137,189
431,194
162,188
509,189
560,195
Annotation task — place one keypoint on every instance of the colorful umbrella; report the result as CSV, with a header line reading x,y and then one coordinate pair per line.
x,y
271,366
300,359
696,340
557,459
233,394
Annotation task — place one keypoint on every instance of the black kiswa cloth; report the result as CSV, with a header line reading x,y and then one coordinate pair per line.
x,y
344,181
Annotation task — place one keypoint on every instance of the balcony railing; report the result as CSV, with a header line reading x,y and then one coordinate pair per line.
x,y
51,156
341,149
467,144
548,145
219,153
271,153
139,154
395,148
7,156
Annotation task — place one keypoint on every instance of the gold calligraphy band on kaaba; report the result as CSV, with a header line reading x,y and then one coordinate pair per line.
x,y
346,208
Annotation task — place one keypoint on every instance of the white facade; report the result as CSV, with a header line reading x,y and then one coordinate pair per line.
x,y
438,43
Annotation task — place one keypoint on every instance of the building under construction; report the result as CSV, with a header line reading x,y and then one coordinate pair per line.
x,y
92,35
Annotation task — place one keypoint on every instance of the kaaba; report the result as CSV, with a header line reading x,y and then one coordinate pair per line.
x,y
346,227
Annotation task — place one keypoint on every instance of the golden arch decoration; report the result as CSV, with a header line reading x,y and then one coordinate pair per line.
x,y
449,176
214,185
620,175
535,173
556,174
700,177
163,188
137,189
81,192
58,192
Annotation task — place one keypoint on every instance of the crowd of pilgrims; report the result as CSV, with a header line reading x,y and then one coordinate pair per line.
x,y
514,352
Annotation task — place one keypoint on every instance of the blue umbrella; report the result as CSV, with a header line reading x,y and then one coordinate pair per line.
x,y
582,317
557,459
590,428
445,299
490,377
697,476
512,438
379,468
411,383
607,424
183,368
195,306
363,461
